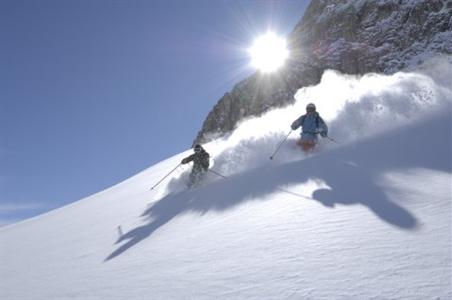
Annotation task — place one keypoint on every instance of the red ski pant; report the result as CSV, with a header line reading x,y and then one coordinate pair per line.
x,y
306,145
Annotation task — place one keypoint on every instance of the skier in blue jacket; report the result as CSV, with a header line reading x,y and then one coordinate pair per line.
x,y
311,126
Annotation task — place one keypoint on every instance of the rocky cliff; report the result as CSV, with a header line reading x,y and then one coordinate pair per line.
x,y
351,36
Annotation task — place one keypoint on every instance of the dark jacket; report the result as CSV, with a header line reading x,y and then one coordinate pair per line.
x,y
200,160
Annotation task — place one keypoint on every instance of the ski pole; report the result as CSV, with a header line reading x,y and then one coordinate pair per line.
x,y
333,140
280,144
218,174
165,176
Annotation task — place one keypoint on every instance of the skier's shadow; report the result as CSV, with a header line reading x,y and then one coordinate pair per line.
x,y
352,184
352,174
219,195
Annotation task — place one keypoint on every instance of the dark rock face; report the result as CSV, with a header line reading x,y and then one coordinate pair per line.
x,y
351,36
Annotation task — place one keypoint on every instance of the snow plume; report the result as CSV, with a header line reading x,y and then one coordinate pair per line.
x,y
354,107
361,107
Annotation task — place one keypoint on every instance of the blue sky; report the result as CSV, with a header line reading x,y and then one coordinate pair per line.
x,y
92,92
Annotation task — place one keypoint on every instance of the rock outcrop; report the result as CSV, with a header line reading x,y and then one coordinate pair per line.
x,y
353,37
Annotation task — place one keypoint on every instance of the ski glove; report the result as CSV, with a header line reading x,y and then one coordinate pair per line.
x,y
323,134
184,161
294,125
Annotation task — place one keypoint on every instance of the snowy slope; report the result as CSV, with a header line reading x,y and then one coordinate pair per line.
x,y
369,218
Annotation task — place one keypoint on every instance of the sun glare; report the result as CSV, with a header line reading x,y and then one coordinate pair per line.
x,y
268,52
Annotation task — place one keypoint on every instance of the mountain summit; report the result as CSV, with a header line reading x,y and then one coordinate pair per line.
x,y
353,37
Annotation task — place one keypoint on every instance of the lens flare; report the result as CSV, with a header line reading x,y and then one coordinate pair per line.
x,y
268,52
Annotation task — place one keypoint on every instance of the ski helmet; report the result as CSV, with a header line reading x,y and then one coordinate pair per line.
x,y
197,148
310,107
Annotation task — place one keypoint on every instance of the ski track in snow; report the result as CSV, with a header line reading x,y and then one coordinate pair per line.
x,y
369,218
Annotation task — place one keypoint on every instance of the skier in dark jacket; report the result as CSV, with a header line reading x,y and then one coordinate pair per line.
x,y
311,125
200,165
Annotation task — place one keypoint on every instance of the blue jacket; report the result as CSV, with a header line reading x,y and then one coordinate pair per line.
x,y
311,125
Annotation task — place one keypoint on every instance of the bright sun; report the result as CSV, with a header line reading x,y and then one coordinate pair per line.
x,y
268,52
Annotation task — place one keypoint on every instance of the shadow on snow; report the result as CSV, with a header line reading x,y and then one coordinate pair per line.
x,y
351,172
